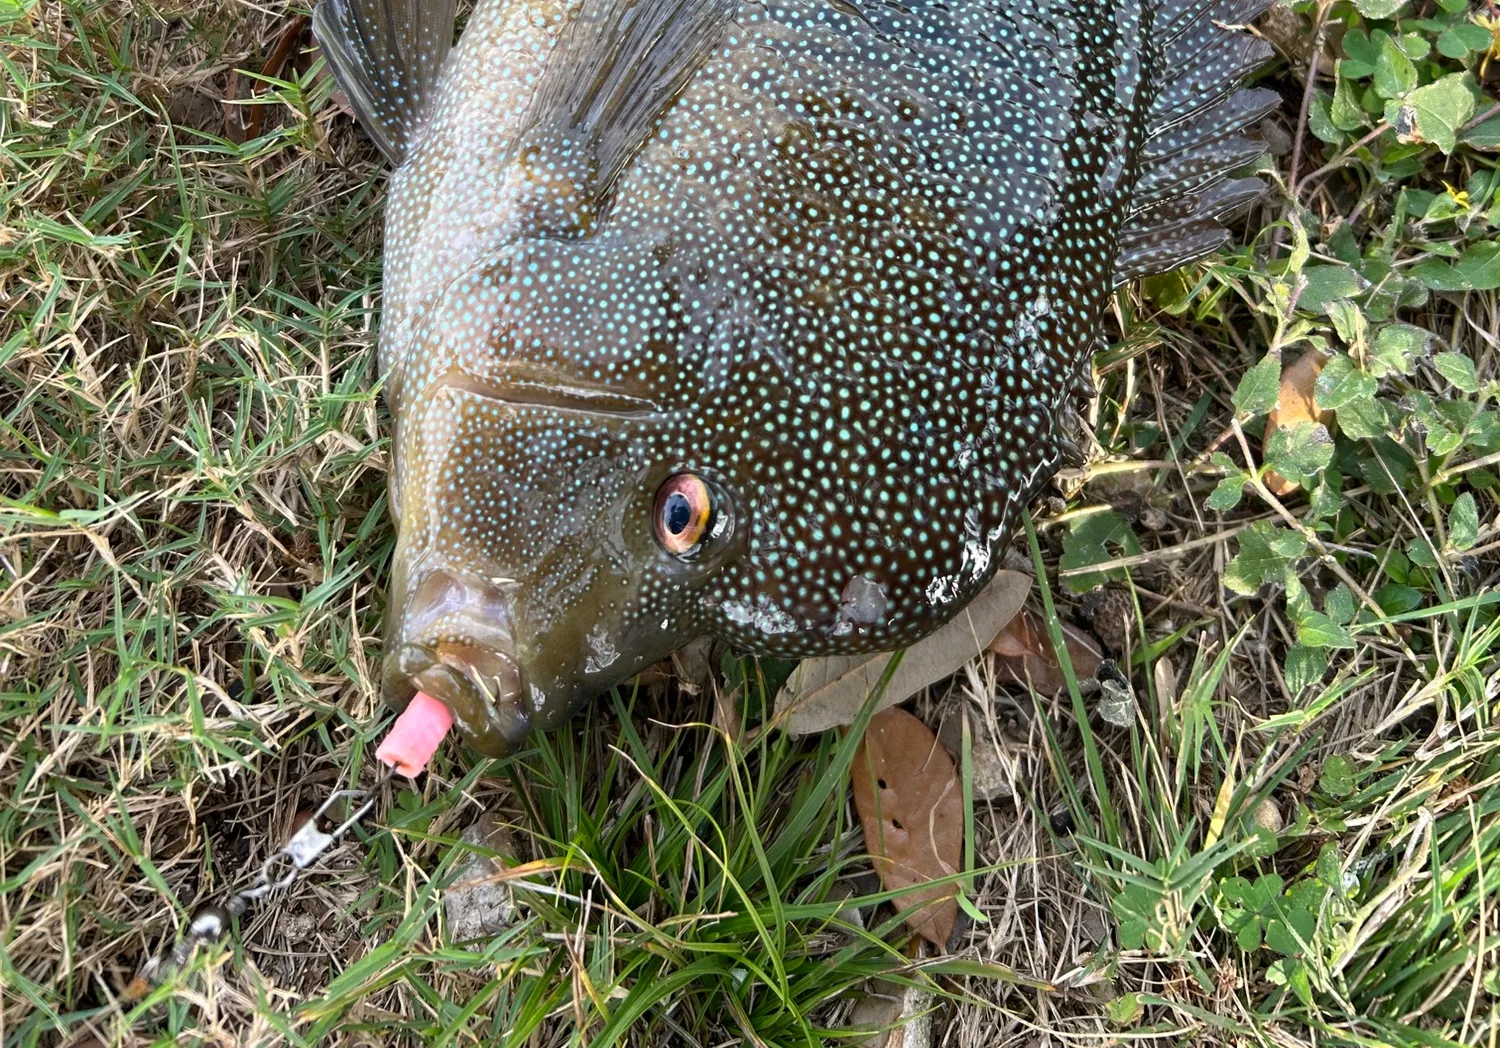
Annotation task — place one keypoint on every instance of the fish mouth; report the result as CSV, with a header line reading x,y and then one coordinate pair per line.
x,y
481,687
452,641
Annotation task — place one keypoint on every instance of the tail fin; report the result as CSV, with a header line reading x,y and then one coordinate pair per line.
x,y
1196,133
386,55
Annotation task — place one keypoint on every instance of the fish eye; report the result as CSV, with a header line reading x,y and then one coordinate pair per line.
x,y
684,510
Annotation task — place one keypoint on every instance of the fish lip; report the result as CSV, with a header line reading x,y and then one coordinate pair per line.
x,y
530,385
482,688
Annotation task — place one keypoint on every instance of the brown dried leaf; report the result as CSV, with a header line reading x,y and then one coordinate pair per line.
x,y
242,123
1024,652
829,692
1295,403
911,806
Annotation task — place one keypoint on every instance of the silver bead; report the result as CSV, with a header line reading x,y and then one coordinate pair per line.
x,y
209,924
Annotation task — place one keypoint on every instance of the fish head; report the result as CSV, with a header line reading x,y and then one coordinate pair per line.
x,y
546,551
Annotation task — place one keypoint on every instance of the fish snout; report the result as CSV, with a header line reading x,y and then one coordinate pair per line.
x,y
453,641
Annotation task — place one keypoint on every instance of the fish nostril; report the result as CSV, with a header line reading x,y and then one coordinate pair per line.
x,y
412,659
445,602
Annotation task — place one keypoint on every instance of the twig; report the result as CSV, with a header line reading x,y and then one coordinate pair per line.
x,y
1345,155
1165,553
1320,34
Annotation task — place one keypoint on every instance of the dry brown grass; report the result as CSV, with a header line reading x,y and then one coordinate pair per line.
x,y
193,539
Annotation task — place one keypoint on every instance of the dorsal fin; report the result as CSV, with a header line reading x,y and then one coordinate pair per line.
x,y
386,55
619,65
1196,133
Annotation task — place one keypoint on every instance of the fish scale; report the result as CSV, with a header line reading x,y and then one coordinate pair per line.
x,y
843,263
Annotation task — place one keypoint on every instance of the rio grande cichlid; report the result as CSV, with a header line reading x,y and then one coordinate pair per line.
x,y
751,318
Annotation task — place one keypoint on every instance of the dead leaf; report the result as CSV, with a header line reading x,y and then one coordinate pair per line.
x,y
1116,703
1295,403
242,123
1025,653
911,806
829,692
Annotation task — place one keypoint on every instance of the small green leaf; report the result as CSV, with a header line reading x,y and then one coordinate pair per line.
x,y
1475,37
1341,382
1345,111
1458,40
1325,500
1363,419
1287,932
1442,439
1256,393
1266,552
1420,553
1092,539
1396,348
1247,933
1135,907
1463,523
1362,50
1125,1009
1457,369
1477,270
1340,605
1227,493
1379,8
1337,778
1234,889
1300,452
1304,667
1327,284
1484,136
1292,974
1394,73
1330,867
1264,892
1320,120
1396,597
1434,113
1298,980
1316,630
1349,321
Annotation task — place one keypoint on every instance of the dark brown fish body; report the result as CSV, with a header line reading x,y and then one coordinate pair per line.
x,y
751,319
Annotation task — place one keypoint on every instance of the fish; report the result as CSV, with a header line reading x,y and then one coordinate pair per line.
x,y
752,319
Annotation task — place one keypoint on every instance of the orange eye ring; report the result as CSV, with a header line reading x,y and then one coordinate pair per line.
x,y
684,509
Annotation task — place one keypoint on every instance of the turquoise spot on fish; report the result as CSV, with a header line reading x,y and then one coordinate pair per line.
x,y
841,263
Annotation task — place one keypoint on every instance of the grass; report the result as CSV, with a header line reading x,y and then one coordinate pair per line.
x,y
1295,841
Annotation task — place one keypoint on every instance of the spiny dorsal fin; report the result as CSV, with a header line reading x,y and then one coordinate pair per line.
x,y
386,55
1196,133
619,65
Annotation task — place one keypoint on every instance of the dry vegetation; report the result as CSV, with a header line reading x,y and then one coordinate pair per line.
x,y
193,540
